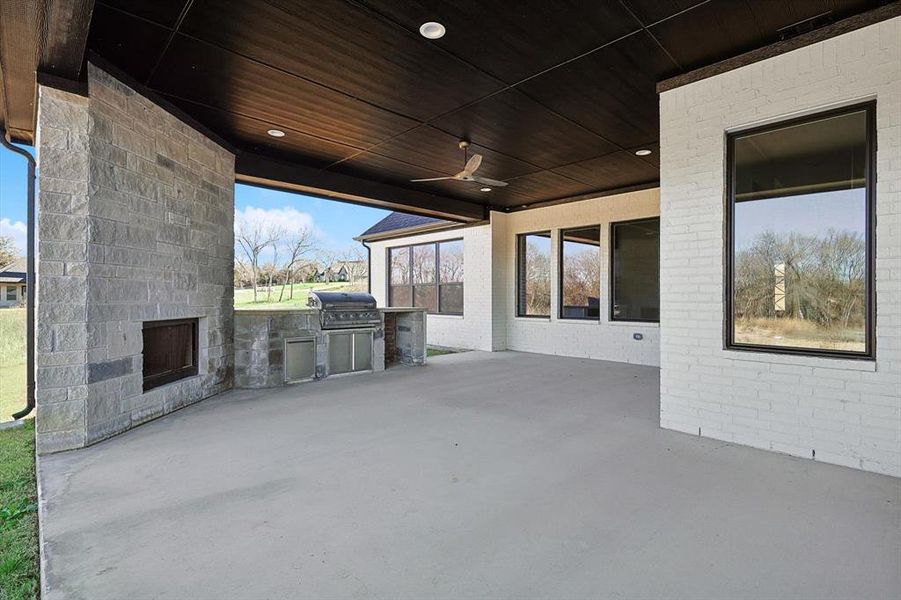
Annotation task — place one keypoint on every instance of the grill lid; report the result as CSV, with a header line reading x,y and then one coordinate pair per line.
x,y
341,300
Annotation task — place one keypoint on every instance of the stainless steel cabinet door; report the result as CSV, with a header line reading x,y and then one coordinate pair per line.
x,y
340,353
362,351
300,360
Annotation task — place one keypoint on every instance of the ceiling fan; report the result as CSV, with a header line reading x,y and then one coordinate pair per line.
x,y
470,166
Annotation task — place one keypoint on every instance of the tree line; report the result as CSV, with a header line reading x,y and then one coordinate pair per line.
x,y
824,278
278,255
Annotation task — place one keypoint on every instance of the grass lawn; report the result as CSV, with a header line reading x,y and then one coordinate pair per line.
x,y
244,298
432,351
12,362
18,515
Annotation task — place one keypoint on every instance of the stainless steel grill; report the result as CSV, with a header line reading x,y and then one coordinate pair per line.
x,y
343,310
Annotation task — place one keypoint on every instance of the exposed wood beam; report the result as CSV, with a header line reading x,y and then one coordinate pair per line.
x,y
66,25
266,172
871,17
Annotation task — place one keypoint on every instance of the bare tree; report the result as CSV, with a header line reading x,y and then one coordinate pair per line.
x,y
254,236
297,244
242,273
8,252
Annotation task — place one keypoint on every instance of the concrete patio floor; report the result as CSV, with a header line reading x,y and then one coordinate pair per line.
x,y
481,475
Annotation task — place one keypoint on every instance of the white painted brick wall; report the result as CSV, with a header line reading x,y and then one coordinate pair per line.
x,y
604,339
848,411
471,331
489,321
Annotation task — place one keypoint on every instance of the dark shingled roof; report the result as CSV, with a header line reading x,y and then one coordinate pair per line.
x,y
14,272
396,221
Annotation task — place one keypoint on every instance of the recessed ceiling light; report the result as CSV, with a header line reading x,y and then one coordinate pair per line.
x,y
485,189
642,152
276,133
432,30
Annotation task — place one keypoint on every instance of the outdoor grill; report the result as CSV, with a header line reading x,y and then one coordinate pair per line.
x,y
343,310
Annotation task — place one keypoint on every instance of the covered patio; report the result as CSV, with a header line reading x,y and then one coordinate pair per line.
x,y
481,475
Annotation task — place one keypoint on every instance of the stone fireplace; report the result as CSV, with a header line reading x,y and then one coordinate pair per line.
x,y
134,286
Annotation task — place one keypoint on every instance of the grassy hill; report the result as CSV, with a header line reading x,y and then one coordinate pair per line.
x,y
244,298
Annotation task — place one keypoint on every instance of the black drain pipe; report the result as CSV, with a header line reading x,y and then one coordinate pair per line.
x,y
368,267
29,283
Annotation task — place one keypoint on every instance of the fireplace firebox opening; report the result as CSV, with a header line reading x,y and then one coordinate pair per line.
x,y
170,351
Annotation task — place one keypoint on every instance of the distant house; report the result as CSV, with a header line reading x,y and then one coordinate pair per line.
x,y
13,281
350,271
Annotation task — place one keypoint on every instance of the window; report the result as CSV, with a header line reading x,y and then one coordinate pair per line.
x,y
428,276
580,273
400,290
800,235
635,267
533,279
425,292
11,293
450,277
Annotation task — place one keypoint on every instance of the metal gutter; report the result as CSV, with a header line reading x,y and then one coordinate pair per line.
x,y
29,281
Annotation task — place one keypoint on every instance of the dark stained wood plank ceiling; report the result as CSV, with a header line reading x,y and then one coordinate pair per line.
x,y
557,96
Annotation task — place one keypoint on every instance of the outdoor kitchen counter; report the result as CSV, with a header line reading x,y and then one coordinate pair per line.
x,y
405,335
262,338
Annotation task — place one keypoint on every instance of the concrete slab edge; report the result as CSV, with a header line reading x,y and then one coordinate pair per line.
x,y
43,561
12,424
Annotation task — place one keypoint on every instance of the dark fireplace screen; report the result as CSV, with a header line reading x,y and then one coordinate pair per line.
x,y
170,351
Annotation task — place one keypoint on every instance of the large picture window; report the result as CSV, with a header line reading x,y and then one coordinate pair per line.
x,y
635,267
533,280
428,276
580,273
800,235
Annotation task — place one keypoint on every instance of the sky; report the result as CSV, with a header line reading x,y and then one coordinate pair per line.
x,y
333,223
807,214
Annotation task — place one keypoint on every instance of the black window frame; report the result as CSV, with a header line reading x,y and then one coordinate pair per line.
x,y
520,256
612,275
437,283
870,244
562,235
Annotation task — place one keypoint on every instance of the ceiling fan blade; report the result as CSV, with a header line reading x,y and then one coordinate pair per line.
x,y
433,179
489,181
472,164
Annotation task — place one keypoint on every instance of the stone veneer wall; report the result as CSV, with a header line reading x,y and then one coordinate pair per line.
x,y
260,337
135,224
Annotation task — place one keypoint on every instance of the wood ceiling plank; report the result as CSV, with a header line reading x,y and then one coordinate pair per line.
x,y
524,129
651,11
616,170
66,26
513,40
537,187
433,149
209,75
381,168
250,134
343,47
130,43
161,12
609,91
21,23
722,29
